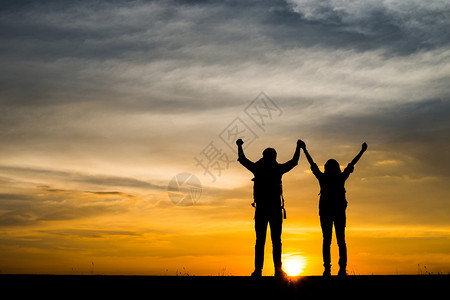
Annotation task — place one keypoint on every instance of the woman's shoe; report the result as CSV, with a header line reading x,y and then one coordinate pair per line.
x,y
256,274
327,272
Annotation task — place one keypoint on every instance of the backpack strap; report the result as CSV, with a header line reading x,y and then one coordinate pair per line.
x,y
282,207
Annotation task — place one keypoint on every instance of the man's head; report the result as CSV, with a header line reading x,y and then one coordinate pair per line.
x,y
332,167
269,154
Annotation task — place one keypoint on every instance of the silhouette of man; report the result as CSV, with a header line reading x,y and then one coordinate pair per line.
x,y
332,206
267,194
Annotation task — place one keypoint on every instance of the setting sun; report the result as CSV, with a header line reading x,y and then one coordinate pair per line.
x,y
294,265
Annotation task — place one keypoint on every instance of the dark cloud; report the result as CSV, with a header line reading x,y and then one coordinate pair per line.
x,y
401,29
30,207
65,176
155,30
417,132
92,233
76,74
120,54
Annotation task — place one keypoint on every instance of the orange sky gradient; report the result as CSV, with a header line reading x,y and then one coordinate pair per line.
x,y
99,113
397,224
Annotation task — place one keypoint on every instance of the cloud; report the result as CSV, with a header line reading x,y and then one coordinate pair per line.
x,y
126,84
32,200
66,176
418,132
106,43
91,233
400,27
58,205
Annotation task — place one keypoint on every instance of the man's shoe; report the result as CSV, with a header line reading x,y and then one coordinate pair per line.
x,y
256,274
342,272
280,274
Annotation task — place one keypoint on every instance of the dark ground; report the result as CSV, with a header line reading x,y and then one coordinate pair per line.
x,y
209,287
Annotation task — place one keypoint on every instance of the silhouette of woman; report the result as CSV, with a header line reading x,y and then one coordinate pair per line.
x,y
332,206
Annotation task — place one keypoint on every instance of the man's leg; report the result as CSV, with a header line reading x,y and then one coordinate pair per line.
x,y
326,222
261,220
276,224
339,225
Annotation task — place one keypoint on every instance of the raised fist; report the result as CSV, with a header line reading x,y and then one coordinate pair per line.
x,y
301,144
239,142
364,146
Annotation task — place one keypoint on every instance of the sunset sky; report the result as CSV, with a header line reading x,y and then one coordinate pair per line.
x,y
103,102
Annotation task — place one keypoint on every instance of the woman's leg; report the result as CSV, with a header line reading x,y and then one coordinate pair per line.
x,y
326,222
339,225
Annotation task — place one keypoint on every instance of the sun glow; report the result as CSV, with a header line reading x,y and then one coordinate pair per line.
x,y
294,265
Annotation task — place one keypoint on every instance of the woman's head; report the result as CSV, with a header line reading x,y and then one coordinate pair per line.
x,y
332,167
270,155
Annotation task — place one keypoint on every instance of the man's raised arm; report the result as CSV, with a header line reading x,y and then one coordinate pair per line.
x,y
241,156
287,166
296,156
